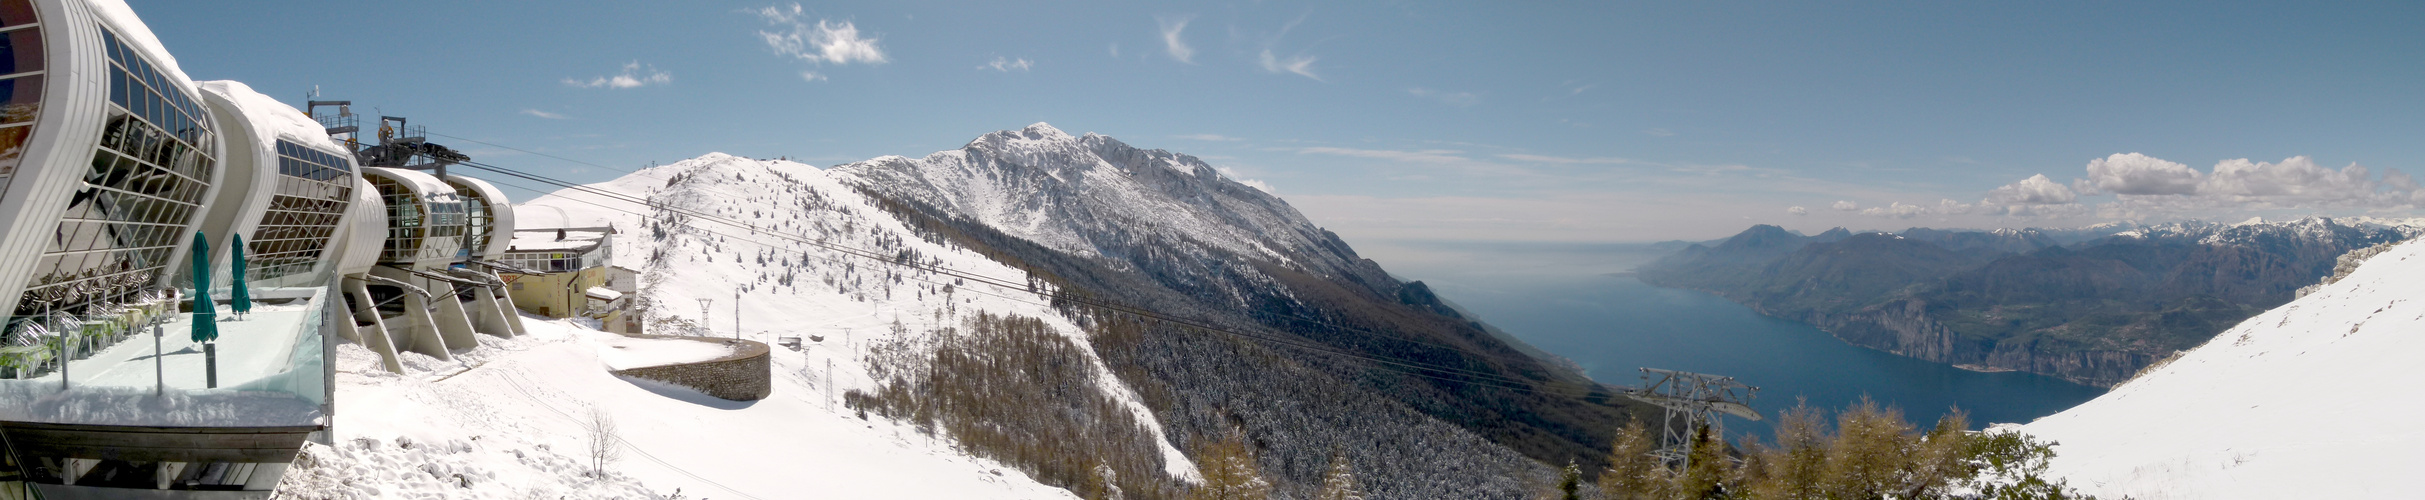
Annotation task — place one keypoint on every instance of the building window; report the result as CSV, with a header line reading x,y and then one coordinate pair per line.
x,y
144,184
313,190
21,76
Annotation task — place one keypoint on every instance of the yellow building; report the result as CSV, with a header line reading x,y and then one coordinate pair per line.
x,y
568,272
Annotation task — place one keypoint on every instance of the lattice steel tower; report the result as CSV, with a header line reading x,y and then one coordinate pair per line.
x,y
1692,399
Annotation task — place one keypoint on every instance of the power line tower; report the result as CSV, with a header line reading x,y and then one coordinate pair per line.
x,y
1692,400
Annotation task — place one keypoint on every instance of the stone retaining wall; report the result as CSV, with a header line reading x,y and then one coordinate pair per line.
x,y
744,375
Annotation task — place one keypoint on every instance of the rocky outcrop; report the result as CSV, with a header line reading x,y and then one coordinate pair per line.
x,y
744,375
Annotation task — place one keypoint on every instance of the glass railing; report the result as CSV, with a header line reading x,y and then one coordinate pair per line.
x,y
137,364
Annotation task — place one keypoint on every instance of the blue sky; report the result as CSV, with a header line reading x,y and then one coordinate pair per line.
x,y
1583,121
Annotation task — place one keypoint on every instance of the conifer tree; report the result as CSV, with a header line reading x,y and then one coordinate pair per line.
x,y
1570,482
1340,482
1230,471
1867,457
1705,468
1632,474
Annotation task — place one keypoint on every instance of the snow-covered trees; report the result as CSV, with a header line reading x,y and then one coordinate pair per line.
x,y
1340,482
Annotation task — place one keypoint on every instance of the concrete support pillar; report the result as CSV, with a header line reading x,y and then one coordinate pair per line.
x,y
418,331
377,339
454,326
513,316
485,310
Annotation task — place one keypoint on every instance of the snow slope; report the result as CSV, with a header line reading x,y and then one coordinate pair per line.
x,y
492,412
505,421
2308,400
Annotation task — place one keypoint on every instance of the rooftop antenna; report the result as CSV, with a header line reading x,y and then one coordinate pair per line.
x,y
1692,400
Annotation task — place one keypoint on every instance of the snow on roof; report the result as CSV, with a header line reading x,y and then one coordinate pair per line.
x,y
131,30
426,185
601,293
538,240
276,120
528,216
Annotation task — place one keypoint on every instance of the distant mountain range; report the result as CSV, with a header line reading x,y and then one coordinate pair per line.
x,y
2091,305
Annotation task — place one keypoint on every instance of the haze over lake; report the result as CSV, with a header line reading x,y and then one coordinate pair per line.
x,y
1577,301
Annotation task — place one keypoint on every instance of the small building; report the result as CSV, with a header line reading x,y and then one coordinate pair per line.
x,y
564,272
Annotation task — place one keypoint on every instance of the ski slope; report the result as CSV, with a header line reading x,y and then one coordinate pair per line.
x,y
2309,400
506,419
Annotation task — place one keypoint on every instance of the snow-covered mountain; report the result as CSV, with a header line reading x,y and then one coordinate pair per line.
x,y
2307,400
1095,196
503,421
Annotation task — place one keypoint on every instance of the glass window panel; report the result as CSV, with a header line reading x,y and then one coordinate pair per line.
x,y
20,51
118,87
20,98
17,12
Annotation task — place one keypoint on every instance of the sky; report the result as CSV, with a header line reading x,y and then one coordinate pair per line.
x,y
1432,121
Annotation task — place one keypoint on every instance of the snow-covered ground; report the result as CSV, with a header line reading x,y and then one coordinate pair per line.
x,y
507,416
506,420
624,353
2309,400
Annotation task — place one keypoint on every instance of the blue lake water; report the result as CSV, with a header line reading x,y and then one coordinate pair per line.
x,y
1573,301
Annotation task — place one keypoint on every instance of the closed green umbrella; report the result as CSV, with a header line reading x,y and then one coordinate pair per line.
x,y
206,314
242,299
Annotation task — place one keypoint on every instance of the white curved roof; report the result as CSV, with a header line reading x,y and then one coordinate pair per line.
x,y
274,119
500,212
425,185
366,235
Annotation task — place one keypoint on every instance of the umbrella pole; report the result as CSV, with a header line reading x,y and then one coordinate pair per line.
x,y
210,361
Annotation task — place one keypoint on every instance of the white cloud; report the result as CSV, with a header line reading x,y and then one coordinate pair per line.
x,y
1896,210
1177,47
543,114
2035,190
1302,65
811,76
824,42
1115,50
1005,65
1208,137
2293,181
1423,156
1451,98
634,75
1258,184
1797,210
1605,160
2138,174
1845,206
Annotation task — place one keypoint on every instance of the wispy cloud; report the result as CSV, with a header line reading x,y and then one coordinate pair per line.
x,y
1450,98
634,75
1207,137
1006,65
543,114
1421,156
821,42
1172,42
1300,64
1605,160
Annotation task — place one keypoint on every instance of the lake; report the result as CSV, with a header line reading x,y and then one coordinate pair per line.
x,y
1575,301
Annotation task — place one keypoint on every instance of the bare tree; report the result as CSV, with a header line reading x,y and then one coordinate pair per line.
x,y
605,447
